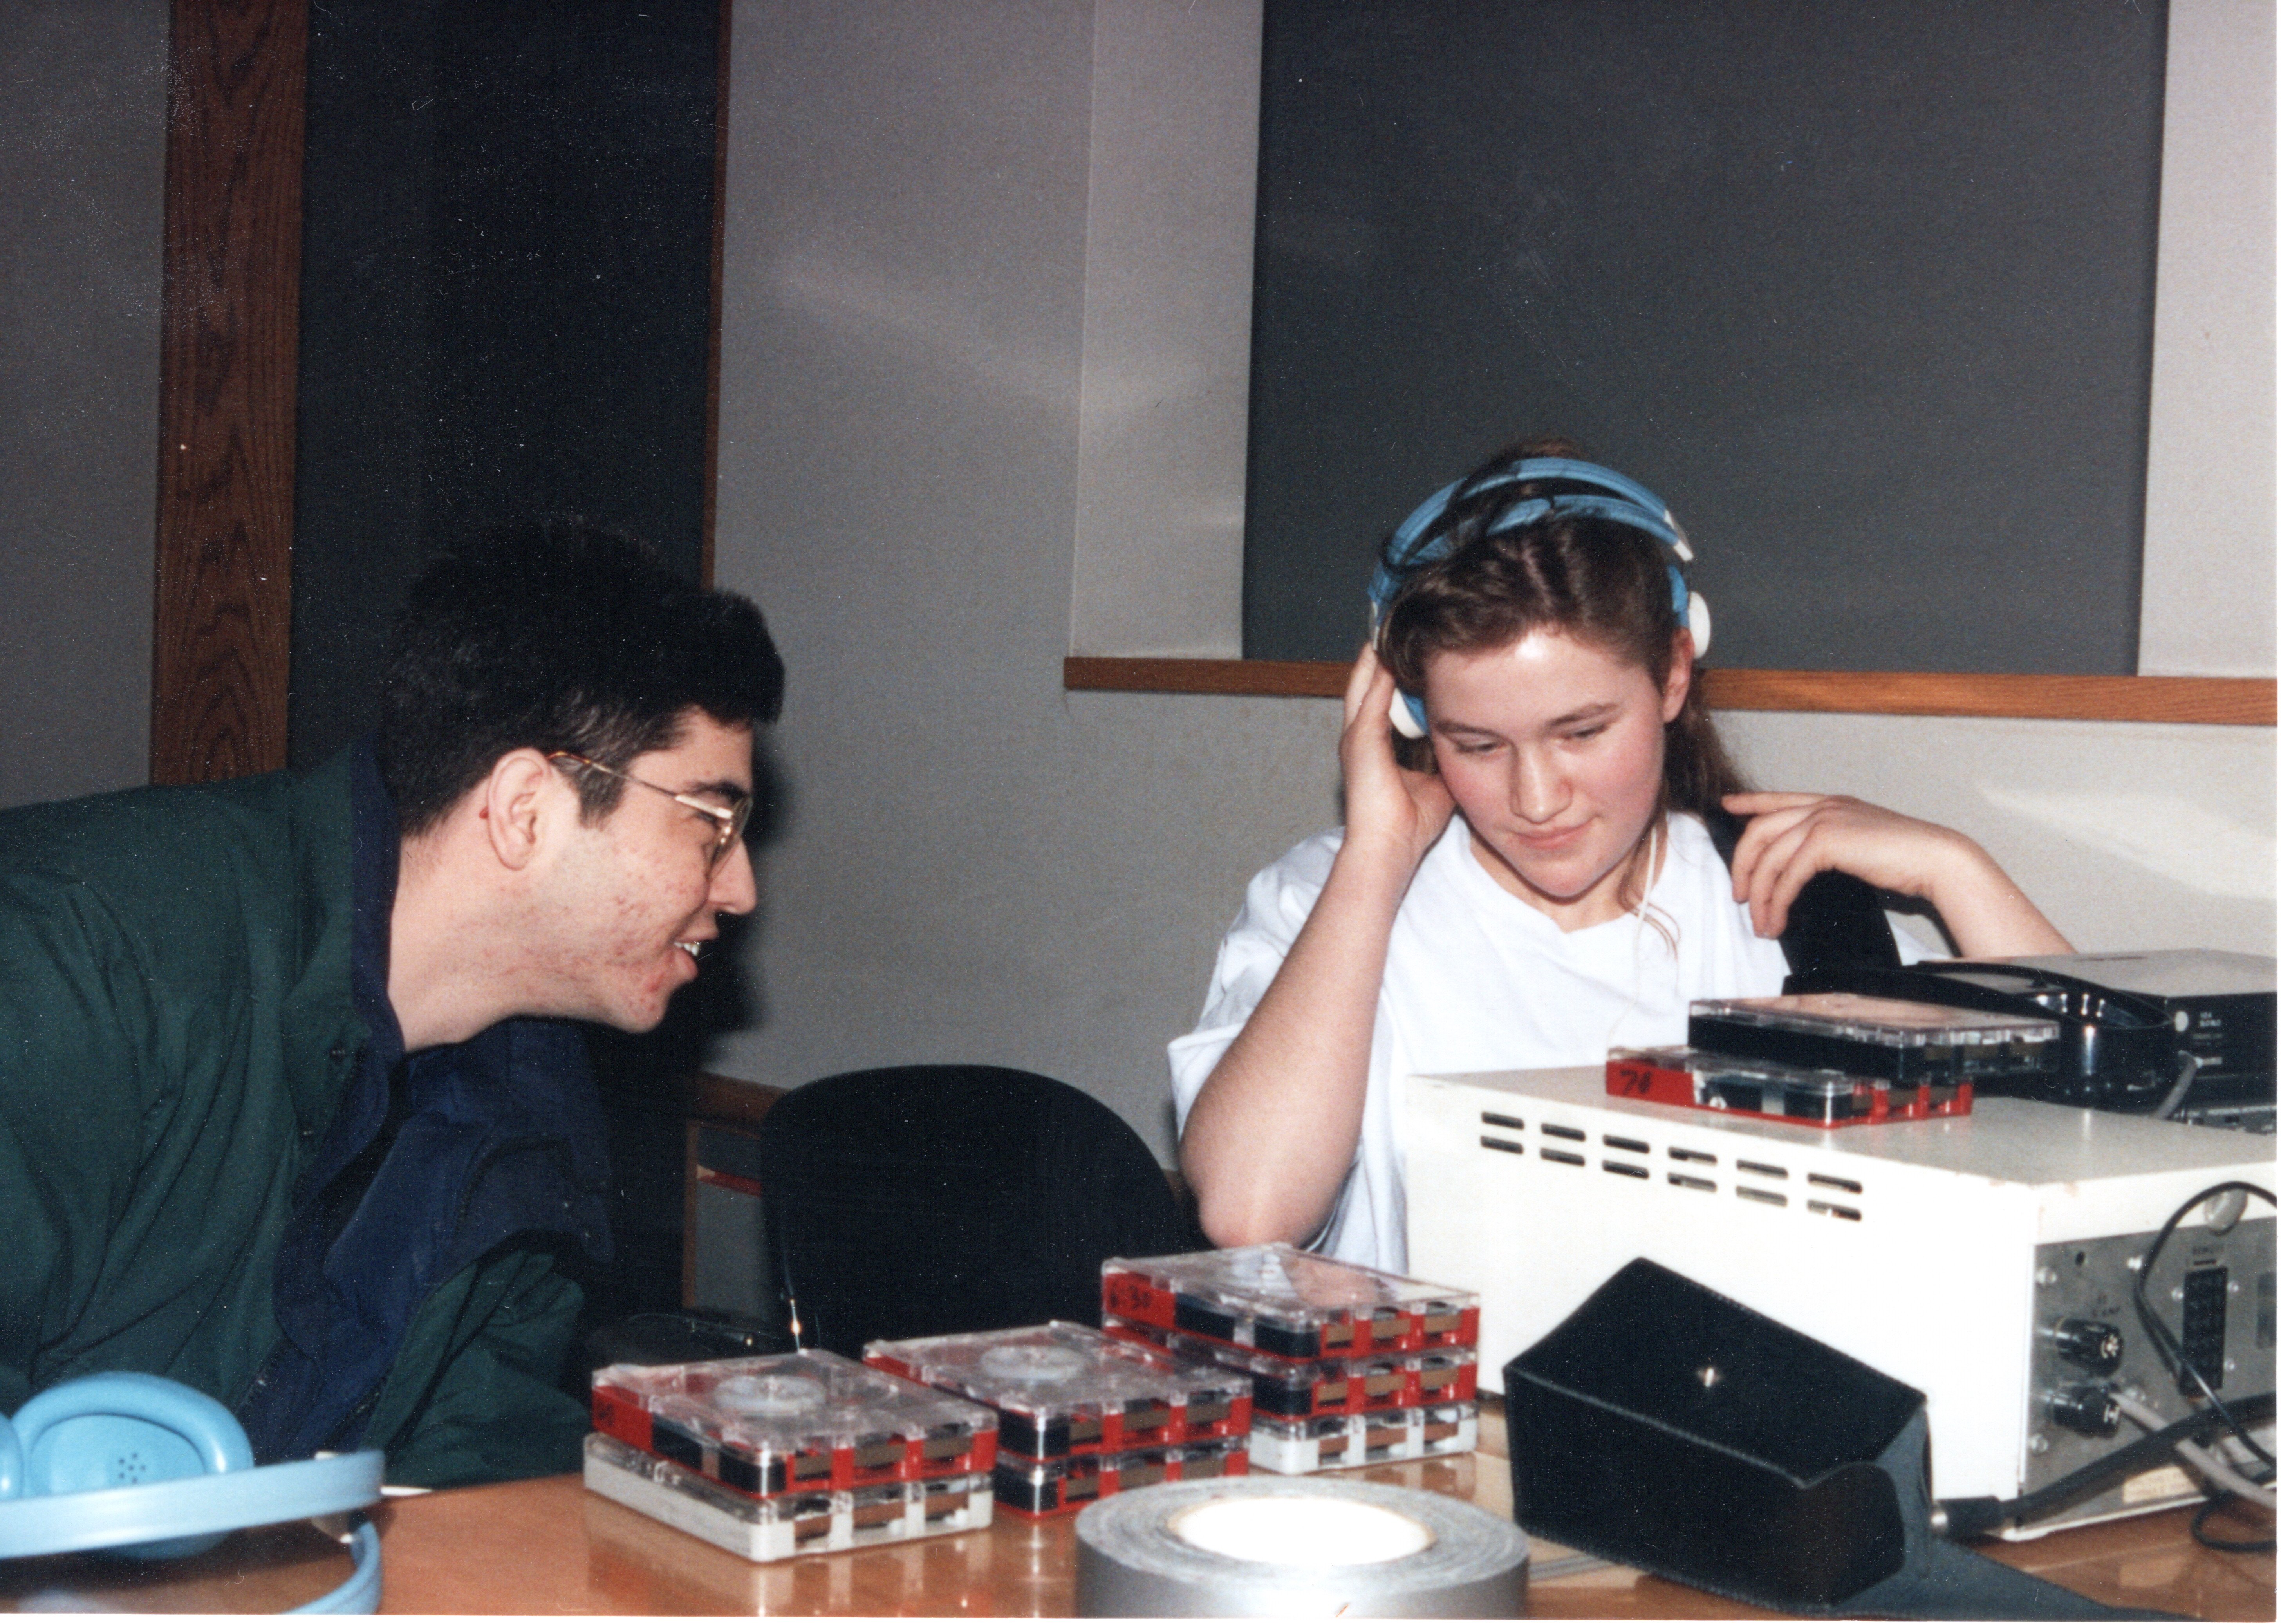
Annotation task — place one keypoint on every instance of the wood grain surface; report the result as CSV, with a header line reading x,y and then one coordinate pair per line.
x,y
2234,701
229,333
548,1546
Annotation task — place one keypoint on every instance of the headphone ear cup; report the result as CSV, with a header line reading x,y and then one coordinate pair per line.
x,y
1407,712
124,1428
1698,623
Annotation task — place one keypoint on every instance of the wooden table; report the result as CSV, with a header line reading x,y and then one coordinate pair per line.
x,y
548,1546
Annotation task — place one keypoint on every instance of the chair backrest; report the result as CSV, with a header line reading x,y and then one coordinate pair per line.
x,y
916,1200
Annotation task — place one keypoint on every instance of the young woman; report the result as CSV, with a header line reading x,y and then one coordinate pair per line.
x,y
1532,882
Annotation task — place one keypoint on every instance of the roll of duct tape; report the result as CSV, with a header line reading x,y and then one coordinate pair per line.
x,y
1252,1547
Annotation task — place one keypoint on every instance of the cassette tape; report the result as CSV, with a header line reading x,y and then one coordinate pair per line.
x,y
1035,1488
1773,1092
1068,1389
793,1423
1288,1304
788,1525
1330,1443
1888,1039
1287,1390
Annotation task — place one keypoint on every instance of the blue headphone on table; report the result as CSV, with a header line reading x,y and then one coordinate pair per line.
x,y
145,1468
1424,538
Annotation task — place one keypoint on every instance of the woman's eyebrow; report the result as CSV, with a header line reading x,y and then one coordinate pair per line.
x,y
1586,713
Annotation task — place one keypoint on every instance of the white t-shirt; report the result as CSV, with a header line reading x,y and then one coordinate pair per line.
x,y
1478,980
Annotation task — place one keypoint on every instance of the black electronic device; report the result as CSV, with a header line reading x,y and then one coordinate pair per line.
x,y
2186,1033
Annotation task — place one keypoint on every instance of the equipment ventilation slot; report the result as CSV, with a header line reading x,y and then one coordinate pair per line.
x,y
1702,1157
1489,1143
1830,1210
1772,1198
1554,1131
1637,1147
1828,1181
1764,1170
1567,1159
1497,1121
1630,1169
1688,1181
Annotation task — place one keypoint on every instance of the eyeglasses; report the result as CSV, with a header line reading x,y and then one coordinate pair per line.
x,y
732,819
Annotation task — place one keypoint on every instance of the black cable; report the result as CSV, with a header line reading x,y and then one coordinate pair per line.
x,y
2243,1547
1968,1518
2174,1353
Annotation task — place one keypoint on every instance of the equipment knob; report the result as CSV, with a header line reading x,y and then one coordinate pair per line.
x,y
2091,1412
2090,1344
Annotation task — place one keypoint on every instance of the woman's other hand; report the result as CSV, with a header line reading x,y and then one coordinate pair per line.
x,y
1792,837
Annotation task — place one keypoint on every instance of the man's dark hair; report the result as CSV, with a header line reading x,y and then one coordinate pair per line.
x,y
558,635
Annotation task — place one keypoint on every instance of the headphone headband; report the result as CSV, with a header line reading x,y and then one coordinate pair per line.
x,y
98,1519
147,1468
1423,538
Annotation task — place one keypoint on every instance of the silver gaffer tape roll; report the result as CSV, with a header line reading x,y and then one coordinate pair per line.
x,y
1249,1547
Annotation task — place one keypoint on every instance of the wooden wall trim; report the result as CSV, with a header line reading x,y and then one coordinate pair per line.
x,y
229,319
2229,701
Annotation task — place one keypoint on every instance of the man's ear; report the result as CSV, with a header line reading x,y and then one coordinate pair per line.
x,y
1681,676
514,802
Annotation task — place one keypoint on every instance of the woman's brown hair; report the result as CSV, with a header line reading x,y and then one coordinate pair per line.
x,y
1589,578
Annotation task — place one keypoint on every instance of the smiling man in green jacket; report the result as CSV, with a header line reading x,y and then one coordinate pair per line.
x,y
292,1107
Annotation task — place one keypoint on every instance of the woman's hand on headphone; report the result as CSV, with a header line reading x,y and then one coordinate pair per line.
x,y
1792,837
1390,807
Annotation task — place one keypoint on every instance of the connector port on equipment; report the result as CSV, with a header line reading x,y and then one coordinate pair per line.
x,y
2091,1412
2088,1344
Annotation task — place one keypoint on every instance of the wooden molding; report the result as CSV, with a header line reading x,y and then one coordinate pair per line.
x,y
2242,701
230,322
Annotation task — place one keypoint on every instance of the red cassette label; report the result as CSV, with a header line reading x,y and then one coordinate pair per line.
x,y
622,1416
1134,1298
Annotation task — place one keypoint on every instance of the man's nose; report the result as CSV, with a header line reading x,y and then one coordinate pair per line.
x,y
736,889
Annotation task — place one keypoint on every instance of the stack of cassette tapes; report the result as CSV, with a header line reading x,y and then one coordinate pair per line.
x,y
1834,1060
1348,1365
777,1457
1082,1414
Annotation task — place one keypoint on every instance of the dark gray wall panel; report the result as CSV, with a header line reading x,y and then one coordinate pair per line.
x,y
1865,292
507,298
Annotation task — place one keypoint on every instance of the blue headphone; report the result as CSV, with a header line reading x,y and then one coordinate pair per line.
x,y
144,1468
1423,538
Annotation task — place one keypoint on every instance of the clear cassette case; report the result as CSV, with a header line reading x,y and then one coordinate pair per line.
x,y
1887,1039
1286,1389
1767,1089
791,1525
793,1423
1330,1443
1032,1488
1287,1303
1064,1389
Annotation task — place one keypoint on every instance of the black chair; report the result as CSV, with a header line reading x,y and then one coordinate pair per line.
x,y
918,1201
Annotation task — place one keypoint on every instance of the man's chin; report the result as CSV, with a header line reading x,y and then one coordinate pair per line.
x,y
634,1017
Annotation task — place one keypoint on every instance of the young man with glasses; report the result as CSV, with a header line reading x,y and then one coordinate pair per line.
x,y
291,1107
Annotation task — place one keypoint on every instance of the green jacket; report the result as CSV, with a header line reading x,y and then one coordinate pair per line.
x,y
176,1028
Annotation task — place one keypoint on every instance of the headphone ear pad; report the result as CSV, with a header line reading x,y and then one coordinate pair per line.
x,y
123,1428
1407,712
1698,623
